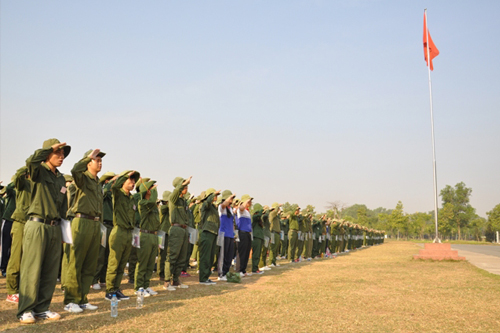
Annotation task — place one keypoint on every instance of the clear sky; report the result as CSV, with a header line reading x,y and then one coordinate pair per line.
x,y
299,101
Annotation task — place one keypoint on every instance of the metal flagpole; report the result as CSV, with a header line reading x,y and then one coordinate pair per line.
x,y
436,240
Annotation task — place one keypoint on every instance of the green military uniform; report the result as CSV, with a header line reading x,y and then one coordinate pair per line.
x,y
23,186
316,235
342,236
120,238
258,236
195,210
308,243
150,223
191,224
284,241
132,260
42,234
178,237
293,236
301,240
107,222
80,258
323,236
209,227
275,232
6,225
165,227
267,236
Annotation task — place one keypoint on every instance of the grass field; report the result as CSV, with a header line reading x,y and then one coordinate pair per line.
x,y
378,289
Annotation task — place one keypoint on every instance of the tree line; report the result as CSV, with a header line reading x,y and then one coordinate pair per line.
x,y
457,219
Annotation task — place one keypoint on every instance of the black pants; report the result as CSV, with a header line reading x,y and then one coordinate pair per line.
x,y
6,243
244,249
228,254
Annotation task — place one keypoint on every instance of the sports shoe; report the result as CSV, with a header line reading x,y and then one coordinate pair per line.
x,y
145,293
121,296
72,307
258,272
168,286
248,274
49,315
242,274
109,296
185,274
265,268
27,318
208,282
179,284
212,282
151,291
222,278
275,265
88,306
96,286
14,298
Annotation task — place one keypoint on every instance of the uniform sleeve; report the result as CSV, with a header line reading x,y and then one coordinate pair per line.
x,y
78,171
20,181
149,204
34,162
176,193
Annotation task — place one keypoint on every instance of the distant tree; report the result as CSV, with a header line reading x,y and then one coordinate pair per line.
x,y
458,197
362,216
477,227
352,211
493,224
336,207
399,220
445,218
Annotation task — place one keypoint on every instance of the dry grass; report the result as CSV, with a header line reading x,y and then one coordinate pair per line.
x,y
380,289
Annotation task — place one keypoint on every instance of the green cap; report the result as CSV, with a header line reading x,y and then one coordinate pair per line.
x,y
219,201
50,142
68,178
135,176
166,195
101,153
226,194
139,182
275,205
106,176
177,181
146,185
257,207
245,197
208,192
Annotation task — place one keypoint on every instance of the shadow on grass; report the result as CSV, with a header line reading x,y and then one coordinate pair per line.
x,y
163,302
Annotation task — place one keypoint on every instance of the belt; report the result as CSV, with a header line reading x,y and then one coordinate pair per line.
x,y
149,232
48,222
179,225
88,217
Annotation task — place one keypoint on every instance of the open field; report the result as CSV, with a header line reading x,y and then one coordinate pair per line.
x,y
379,289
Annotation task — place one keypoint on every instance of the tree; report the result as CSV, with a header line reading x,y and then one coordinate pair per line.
x,y
493,224
399,220
336,207
458,197
445,218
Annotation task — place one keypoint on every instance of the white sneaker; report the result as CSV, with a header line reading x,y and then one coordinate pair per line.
x,y
27,318
222,278
182,286
249,274
273,265
194,263
151,291
169,287
88,306
49,315
72,307
264,268
242,274
96,286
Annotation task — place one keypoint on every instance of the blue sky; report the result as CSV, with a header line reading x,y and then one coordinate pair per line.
x,y
299,101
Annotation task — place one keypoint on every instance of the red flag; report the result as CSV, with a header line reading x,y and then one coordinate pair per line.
x,y
433,51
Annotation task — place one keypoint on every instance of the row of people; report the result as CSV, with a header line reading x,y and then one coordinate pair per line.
x,y
111,226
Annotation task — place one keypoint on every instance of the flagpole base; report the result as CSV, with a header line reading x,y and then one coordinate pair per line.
x,y
437,240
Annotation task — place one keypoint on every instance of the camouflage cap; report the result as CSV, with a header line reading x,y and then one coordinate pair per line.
x,y
106,176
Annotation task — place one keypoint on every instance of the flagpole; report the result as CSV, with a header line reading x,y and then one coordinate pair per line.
x,y
436,240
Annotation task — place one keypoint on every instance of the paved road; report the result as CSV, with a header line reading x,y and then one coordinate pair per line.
x,y
486,257
491,250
